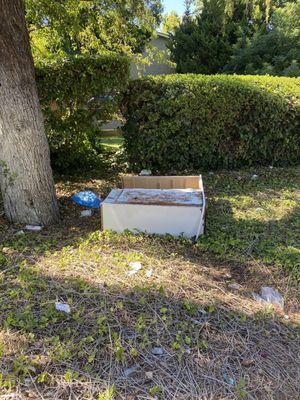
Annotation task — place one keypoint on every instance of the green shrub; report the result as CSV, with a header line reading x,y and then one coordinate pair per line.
x,y
177,123
76,94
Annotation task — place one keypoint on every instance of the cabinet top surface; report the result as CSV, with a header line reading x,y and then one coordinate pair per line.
x,y
167,197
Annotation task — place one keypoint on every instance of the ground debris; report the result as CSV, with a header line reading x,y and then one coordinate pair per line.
x,y
64,307
269,295
149,374
130,371
145,172
235,286
86,213
149,273
87,199
33,228
135,266
157,351
248,362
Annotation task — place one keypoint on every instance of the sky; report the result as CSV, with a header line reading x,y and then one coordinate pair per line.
x,y
174,5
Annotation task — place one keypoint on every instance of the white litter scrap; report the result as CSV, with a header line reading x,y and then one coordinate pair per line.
x,y
157,351
145,172
269,295
254,176
86,213
149,374
149,273
64,307
33,228
135,266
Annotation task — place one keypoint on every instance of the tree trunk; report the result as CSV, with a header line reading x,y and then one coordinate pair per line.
x,y
25,173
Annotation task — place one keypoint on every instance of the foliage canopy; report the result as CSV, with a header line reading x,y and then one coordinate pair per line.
x,y
170,22
68,27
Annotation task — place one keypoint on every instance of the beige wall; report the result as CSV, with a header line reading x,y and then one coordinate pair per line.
x,y
158,53
159,59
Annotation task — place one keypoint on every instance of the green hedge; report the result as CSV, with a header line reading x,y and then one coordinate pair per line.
x,y
74,94
179,123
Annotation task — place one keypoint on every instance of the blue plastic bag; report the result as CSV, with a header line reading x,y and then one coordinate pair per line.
x,y
86,199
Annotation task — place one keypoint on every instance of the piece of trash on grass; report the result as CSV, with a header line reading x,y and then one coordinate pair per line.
x,y
145,172
33,228
86,213
157,351
135,266
269,295
86,199
130,371
64,307
231,381
248,362
235,286
254,176
149,273
19,233
149,374
27,381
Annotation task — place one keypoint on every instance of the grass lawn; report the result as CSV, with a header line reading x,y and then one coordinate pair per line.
x,y
112,142
176,329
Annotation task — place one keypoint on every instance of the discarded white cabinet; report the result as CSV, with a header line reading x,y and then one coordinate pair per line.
x,y
157,205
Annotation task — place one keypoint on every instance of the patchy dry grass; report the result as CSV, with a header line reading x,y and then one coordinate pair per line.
x,y
216,342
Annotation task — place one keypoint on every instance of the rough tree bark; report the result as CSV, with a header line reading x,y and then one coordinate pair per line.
x,y
25,173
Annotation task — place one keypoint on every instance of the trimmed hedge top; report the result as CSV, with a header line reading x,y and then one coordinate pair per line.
x,y
179,123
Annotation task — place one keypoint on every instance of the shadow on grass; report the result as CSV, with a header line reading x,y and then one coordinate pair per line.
x,y
105,345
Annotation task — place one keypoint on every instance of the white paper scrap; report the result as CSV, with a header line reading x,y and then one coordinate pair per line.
x,y
63,307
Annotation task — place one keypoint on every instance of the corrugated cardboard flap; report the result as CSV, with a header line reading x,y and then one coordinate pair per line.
x,y
162,182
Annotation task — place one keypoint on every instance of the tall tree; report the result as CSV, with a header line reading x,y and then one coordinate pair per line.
x,y
188,7
200,44
25,173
